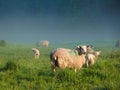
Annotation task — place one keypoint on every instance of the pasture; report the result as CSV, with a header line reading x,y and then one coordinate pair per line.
x,y
20,71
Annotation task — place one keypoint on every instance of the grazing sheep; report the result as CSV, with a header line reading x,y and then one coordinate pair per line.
x,y
117,43
36,53
43,43
67,58
90,58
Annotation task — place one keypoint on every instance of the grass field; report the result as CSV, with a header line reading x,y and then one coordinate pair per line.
x,y
20,71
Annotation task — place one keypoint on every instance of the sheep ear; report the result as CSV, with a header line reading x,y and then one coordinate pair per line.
x,y
79,46
87,46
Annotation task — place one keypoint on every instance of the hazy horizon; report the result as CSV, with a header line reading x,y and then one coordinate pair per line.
x,y
30,21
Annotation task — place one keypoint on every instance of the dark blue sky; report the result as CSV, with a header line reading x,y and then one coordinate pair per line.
x,y
30,21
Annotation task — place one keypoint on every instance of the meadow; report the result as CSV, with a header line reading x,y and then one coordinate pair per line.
x,y
20,71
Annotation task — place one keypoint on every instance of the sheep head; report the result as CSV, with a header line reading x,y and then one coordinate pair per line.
x,y
82,49
97,53
34,49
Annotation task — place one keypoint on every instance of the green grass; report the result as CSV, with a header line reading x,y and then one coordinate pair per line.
x,y
20,71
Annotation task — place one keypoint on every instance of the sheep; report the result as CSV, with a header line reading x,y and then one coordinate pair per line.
x,y
36,53
91,57
117,44
68,58
45,43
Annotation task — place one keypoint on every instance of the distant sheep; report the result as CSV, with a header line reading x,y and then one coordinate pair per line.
x,y
90,58
67,58
36,53
44,43
117,43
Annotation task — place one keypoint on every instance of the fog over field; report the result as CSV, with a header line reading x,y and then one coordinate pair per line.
x,y
30,21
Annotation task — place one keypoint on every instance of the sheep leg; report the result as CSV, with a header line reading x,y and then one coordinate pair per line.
x,y
87,63
53,67
92,62
35,56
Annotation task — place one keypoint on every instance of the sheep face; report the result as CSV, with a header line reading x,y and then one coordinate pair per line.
x,y
34,49
83,49
97,53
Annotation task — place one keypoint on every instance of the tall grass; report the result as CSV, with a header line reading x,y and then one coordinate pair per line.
x,y
20,71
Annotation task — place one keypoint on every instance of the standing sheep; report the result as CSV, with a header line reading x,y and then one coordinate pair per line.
x,y
36,53
117,43
90,58
44,43
67,58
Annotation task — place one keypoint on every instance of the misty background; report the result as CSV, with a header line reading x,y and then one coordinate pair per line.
x,y
30,21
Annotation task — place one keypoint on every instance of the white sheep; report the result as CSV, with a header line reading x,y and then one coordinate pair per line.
x,y
36,53
67,58
92,57
45,43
